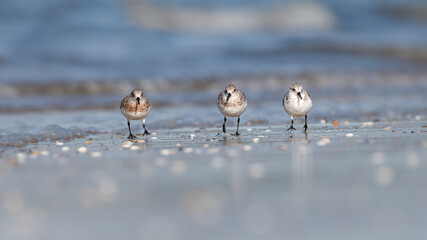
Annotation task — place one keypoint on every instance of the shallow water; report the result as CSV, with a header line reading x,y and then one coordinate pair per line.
x,y
80,55
74,40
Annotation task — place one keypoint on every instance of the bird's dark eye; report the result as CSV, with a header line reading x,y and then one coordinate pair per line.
x,y
293,89
235,90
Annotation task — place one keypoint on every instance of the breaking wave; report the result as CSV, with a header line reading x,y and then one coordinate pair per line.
x,y
49,133
293,16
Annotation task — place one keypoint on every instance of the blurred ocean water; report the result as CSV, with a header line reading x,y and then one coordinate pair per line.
x,y
73,47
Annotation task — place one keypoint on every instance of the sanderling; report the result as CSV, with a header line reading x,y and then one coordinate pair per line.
x,y
135,106
232,103
297,103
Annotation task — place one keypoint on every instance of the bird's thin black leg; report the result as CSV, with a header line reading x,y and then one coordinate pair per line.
x,y
145,130
305,125
238,123
223,125
131,136
292,125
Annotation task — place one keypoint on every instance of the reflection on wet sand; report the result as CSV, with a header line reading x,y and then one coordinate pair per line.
x,y
301,166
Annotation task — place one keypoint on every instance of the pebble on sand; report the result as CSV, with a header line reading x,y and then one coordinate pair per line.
x,y
167,152
413,160
323,142
213,150
134,148
335,123
44,153
82,149
283,147
365,124
127,144
384,175
96,154
247,147
21,157
188,150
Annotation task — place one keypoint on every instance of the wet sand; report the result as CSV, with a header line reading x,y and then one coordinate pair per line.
x,y
356,180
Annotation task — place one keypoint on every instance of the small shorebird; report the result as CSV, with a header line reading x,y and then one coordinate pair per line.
x,y
232,103
297,103
135,106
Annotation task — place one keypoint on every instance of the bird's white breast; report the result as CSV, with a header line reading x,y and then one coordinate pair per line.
x,y
134,115
234,111
298,107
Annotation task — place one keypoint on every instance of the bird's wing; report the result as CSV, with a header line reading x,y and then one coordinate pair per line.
x,y
148,104
122,104
242,97
285,98
220,98
308,94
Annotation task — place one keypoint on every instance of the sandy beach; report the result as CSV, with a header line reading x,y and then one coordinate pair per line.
x,y
354,180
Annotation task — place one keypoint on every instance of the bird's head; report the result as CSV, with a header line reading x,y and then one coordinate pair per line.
x,y
230,89
297,89
137,94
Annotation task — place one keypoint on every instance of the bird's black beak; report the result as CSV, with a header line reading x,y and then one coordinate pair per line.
x,y
228,96
138,100
299,95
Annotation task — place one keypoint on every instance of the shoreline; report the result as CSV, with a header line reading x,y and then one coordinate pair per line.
x,y
268,134
195,182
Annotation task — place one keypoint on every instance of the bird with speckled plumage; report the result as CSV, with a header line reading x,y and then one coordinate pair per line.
x,y
135,106
232,103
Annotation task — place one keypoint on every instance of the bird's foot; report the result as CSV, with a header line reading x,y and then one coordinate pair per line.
x,y
305,128
291,128
237,134
131,136
146,133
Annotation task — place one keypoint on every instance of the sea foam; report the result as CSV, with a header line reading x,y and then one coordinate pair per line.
x,y
52,132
